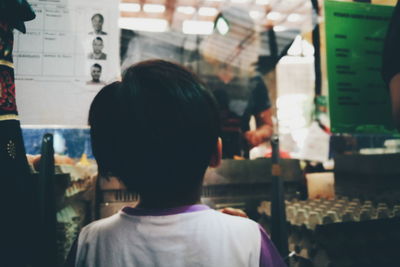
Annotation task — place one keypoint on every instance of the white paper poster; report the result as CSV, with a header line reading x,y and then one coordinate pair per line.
x,y
70,51
316,144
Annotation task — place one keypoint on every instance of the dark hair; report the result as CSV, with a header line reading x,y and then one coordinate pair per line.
x,y
98,39
95,65
156,130
101,119
98,15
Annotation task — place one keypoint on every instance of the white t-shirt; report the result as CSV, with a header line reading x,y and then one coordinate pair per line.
x,y
185,236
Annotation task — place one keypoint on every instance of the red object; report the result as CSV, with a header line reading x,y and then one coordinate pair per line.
x,y
282,154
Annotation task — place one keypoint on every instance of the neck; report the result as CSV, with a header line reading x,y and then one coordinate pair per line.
x,y
164,202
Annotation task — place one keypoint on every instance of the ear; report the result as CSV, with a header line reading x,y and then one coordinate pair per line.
x,y
217,155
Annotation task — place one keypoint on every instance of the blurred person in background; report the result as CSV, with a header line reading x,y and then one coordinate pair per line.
x,y
231,65
231,53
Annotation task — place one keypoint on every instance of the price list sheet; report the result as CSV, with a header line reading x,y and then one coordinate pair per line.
x,y
358,97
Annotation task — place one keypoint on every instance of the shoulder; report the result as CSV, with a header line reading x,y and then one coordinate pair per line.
x,y
235,219
97,236
242,227
240,233
213,217
269,255
102,226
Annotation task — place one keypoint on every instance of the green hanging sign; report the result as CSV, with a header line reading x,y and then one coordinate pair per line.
x,y
358,98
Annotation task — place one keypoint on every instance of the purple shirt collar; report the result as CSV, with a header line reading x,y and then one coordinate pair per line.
x,y
164,212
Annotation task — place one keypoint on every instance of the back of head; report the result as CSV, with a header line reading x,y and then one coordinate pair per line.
x,y
156,130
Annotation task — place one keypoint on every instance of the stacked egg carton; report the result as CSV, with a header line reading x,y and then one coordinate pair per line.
x,y
319,211
304,216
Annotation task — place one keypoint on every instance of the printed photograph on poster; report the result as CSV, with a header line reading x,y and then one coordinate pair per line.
x,y
97,24
98,46
95,73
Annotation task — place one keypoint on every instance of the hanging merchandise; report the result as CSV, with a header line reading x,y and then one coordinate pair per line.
x,y
14,169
